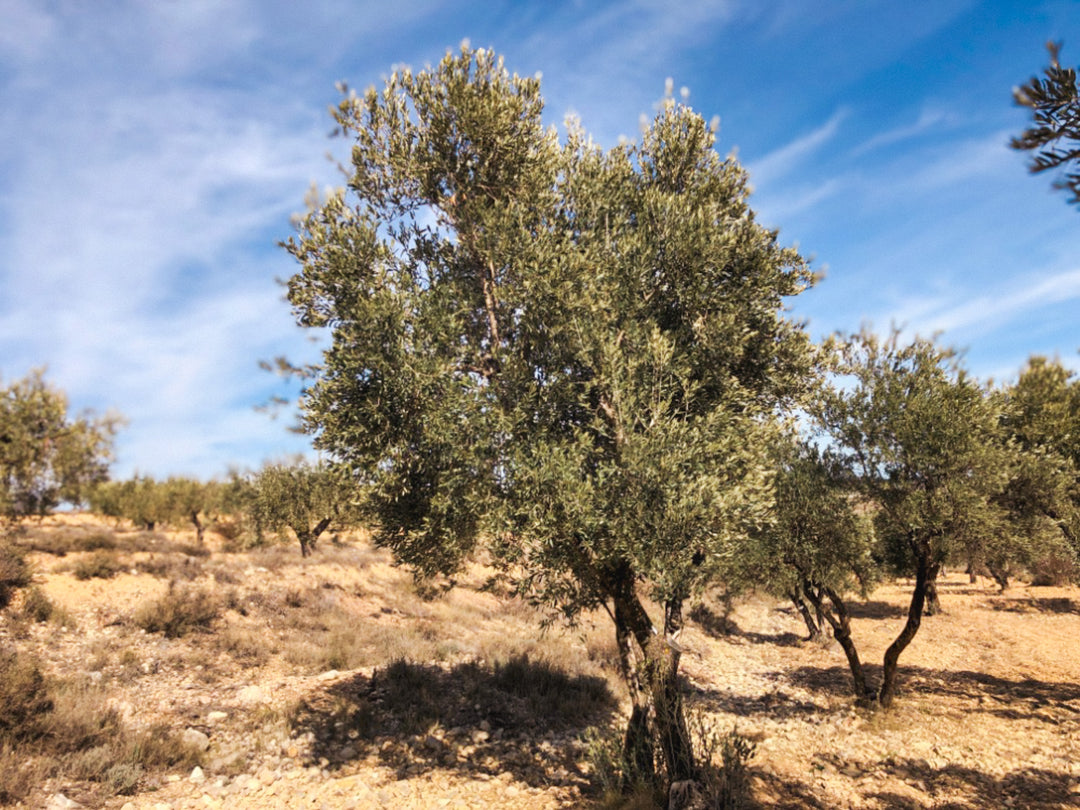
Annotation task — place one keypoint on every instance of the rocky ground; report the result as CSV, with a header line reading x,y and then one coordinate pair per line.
x,y
331,683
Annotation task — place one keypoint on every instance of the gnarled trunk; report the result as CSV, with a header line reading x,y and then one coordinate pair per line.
x,y
925,572
840,620
650,666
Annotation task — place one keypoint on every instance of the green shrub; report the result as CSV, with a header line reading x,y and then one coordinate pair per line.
x,y
179,612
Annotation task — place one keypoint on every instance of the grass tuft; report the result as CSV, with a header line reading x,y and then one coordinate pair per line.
x,y
180,611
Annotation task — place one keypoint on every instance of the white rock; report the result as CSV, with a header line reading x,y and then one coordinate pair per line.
x,y
252,694
329,675
197,775
217,717
195,738
61,802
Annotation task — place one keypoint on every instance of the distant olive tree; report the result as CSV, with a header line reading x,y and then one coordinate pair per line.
x,y
305,498
571,357
919,438
1040,418
190,501
1055,134
48,457
818,549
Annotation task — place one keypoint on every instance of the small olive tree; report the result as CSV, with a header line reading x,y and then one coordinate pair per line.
x,y
920,439
305,498
188,500
818,548
572,356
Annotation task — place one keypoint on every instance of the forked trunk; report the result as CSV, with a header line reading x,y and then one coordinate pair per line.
x,y
840,620
925,572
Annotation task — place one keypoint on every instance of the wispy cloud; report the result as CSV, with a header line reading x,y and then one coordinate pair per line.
x,y
929,119
794,155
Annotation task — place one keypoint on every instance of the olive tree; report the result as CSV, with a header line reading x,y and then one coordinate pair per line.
x,y
920,439
818,548
47,456
302,497
1040,417
570,356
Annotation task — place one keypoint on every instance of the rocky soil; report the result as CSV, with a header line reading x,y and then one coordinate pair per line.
x,y
330,683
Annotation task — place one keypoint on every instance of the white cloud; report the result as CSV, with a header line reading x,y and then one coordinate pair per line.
x,y
929,119
793,156
987,312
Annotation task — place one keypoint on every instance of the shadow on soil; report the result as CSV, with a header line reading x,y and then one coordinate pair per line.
x,y
1060,605
1027,698
718,625
949,787
521,717
955,787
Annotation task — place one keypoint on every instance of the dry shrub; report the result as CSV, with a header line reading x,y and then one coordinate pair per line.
x,y
14,572
1055,570
99,565
172,567
180,611
18,776
36,606
249,647
25,698
551,692
98,541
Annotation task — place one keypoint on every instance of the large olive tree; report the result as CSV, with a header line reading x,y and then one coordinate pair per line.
x,y
573,356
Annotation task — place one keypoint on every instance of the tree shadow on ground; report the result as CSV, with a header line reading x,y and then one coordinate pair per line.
x,y
522,717
718,625
1002,697
1059,605
956,787
775,705
875,610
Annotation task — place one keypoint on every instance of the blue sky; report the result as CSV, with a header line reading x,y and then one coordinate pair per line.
x,y
154,151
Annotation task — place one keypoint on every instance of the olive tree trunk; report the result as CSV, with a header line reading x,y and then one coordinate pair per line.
x,y
925,572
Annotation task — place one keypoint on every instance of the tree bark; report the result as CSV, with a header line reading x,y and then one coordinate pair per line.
x,y
840,621
933,601
667,697
812,627
200,529
925,571
654,688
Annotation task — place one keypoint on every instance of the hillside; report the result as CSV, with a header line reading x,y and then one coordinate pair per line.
x,y
330,682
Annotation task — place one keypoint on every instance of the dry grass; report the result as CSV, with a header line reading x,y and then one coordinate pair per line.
x,y
988,710
65,728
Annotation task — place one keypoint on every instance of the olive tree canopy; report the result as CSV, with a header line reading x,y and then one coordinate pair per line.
x,y
48,457
575,357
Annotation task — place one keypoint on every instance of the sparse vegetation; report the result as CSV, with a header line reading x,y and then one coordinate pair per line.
x,y
181,611
14,572
98,565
